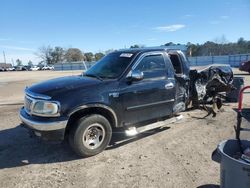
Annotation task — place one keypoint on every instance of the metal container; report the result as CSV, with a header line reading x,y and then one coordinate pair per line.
x,y
233,172
238,83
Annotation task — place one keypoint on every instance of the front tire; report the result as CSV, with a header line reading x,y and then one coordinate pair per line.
x,y
91,135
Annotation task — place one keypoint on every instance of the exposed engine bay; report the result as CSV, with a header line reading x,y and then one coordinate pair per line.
x,y
208,84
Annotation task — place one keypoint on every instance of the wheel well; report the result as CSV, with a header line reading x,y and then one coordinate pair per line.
x,y
88,111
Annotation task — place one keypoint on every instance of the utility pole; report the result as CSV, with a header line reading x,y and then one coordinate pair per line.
x,y
13,64
4,57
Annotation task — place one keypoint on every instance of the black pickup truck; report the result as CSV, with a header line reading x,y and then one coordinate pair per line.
x,y
122,90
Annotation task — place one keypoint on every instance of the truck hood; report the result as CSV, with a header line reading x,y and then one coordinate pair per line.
x,y
63,84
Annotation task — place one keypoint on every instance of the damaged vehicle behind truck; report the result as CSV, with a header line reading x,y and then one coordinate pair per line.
x,y
122,90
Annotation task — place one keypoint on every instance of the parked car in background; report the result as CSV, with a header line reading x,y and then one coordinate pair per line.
x,y
5,66
22,68
35,68
11,69
47,67
27,67
245,66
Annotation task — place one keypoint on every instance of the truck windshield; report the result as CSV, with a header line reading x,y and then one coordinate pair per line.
x,y
111,66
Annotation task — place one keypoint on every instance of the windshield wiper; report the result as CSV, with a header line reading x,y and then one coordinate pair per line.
x,y
94,75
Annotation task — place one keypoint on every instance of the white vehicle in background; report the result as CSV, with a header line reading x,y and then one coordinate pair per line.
x,y
11,69
35,68
47,67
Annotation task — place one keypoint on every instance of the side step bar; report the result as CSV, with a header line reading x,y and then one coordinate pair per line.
x,y
132,131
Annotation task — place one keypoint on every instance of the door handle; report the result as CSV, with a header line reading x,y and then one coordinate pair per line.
x,y
169,85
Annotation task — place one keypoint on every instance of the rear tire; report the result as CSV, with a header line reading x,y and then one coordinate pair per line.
x,y
91,135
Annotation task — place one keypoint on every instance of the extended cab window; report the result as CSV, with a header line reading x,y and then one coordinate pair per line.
x,y
152,66
176,63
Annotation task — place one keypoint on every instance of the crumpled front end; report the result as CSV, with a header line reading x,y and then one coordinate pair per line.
x,y
207,84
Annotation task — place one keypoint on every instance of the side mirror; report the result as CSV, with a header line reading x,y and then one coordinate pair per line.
x,y
135,75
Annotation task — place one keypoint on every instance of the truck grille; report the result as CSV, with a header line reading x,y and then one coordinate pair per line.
x,y
27,104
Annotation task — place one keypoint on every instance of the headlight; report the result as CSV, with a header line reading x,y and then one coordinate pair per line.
x,y
45,108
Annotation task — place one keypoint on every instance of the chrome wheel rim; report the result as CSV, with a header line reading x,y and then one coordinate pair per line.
x,y
93,136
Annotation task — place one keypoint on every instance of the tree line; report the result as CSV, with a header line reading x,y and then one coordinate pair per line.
x,y
50,55
53,55
216,48
20,63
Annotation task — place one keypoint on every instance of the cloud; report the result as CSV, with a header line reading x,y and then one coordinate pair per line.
x,y
16,41
214,22
224,17
170,28
4,39
16,48
25,42
152,39
187,16
220,20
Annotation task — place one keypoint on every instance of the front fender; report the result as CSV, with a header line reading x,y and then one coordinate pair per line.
x,y
96,105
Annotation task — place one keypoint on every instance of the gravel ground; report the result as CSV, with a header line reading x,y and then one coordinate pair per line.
x,y
178,155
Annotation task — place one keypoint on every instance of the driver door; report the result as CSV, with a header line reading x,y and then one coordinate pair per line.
x,y
153,96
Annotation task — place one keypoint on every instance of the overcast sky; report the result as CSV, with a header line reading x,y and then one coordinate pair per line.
x,y
99,25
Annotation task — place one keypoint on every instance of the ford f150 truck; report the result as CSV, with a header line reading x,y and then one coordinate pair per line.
x,y
123,89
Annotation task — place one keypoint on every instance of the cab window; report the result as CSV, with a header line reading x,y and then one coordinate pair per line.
x,y
152,66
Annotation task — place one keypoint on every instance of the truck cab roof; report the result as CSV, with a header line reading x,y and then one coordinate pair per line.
x,y
148,49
